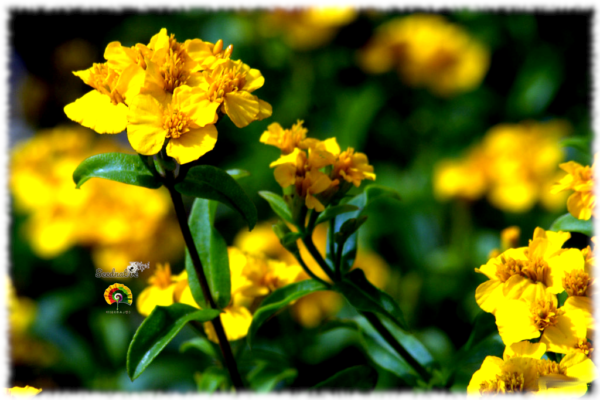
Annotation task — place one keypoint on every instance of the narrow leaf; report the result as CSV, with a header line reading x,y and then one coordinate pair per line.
x,y
278,205
359,377
125,168
238,173
212,250
279,299
157,330
208,182
365,297
331,212
569,223
201,344
212,379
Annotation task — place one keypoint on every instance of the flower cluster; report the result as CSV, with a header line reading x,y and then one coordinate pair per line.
x,y
515,165
428,52
252,278
580,179
119,225
308,28
316,170
169,91
522,293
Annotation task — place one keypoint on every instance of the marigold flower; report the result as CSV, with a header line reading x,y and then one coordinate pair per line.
x,y
560,329
569,377
27,391
580,179
528,272
428,52
161,289
285,139
229,88
187,120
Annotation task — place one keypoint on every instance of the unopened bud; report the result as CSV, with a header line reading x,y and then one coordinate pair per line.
x,y
218,47
228,51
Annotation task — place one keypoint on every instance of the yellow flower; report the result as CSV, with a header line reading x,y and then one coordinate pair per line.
x,y
580,179
229,88
120,222
285,139
104,109
567,378
308,28
26,391
584,307
528,272
186,120
560,329
517,372
428,52
161,289
514,165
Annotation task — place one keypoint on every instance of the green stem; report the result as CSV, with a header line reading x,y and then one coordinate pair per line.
x,y
391,340
308,271
310,246
228,358
337,256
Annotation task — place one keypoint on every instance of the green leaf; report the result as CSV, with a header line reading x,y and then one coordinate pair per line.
x,y
265,377
577,142
212,250
569,223
238,173
278,205
212,379
126,168
359,377
208,182
332,212
279,299
366,198
363,296
201,344
157,330
382,354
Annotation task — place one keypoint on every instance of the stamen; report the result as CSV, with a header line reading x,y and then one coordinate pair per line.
x,y
576,283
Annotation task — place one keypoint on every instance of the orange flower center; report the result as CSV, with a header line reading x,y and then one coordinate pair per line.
x,y
547,367
576,283
104,80
161,277
507,382
584,347
226,80
173,70
536,270
176,123
545,314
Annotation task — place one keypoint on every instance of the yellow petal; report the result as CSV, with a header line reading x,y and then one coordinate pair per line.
x,y
578,207
265,110
154,296
254,80
95,111
566,262
514,322
579,366
525,349
285,175
490,368
26,391
242,108
131,81
582,308
289,158
564,336
236,321
489,295
192,145
145,131
320,182
518,287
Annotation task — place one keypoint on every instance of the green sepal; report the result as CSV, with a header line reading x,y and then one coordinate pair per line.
x,y
279,299
363,296
208,182
568,223
212,250
131,169
157,330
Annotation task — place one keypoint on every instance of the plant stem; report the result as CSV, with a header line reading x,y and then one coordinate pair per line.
x,y
310,246
337,256
391,340
228,358
307,270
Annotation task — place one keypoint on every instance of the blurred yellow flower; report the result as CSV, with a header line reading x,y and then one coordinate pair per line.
x,y
580,179
161,289
26,391
285,139
184,120
514,165
528,273
121,223
427,51
308,28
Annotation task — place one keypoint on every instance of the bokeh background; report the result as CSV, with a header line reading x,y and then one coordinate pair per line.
x,y
427,132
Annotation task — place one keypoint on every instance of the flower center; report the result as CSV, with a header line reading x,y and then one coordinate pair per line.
x,y
507,382
161,277
576,283
547,367
226,80
584,347
104,80
173,70
545,314
537,270
176,124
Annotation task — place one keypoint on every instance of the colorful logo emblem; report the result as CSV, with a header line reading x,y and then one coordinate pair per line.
x,y
118,293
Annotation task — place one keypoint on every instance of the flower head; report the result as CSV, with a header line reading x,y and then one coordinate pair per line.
x,y
580,179
27,391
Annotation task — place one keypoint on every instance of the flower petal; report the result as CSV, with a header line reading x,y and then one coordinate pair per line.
x,y
145,131
242,108
95,111
192,145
